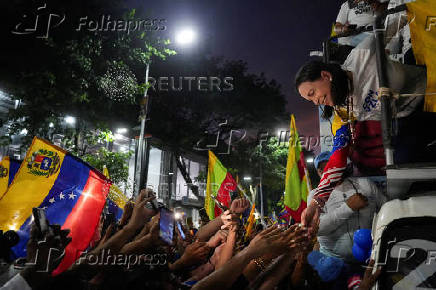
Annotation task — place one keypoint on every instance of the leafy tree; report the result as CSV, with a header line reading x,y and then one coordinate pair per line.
x,y
92,75
96,77
115,162
181,118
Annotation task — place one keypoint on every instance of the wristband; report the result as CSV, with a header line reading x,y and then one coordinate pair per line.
x,y
318,201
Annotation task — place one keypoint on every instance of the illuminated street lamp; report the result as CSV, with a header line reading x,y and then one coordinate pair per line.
x,y
122,130
177,215
70,120
183,37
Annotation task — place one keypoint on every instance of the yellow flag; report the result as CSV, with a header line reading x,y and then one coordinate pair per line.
x,y
422,19
17,202
296,186
116,195
250,221
4,175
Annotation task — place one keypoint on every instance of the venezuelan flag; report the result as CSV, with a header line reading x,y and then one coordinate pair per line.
x,y
8,169
219,185
72,193
296,184
337,164
422,22
116,198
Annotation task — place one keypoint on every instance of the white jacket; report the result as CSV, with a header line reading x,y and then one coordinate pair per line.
x,y
338,221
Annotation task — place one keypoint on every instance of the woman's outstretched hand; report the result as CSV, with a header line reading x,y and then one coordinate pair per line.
x,y
310,217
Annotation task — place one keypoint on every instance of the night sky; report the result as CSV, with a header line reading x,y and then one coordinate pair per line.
x,y
273,37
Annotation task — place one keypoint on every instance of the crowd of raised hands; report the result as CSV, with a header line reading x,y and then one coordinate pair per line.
x,y
220,255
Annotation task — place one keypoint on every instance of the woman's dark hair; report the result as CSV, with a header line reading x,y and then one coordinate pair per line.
x,y
340,89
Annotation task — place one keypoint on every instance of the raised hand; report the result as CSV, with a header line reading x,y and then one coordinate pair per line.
x,y
153,233
270,241
298,237
357,201
229,219
239,205
127,213
141,214
310,217
195,253
44,255
369,278
219,237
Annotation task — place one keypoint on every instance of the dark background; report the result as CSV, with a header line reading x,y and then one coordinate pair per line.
x,y
274,37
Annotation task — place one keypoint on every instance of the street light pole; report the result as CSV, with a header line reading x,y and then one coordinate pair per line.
x,y
261,189
185,37
141,158
261,196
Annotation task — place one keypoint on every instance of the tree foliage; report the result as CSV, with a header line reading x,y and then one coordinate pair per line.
x,y
115,162
97,76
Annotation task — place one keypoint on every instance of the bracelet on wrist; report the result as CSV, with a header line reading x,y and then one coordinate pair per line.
x,y
260,264
317,203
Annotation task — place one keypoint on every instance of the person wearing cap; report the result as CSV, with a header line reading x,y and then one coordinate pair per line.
x,y
321,161
351,206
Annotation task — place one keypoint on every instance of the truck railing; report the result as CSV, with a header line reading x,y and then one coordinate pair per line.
x,y
385,93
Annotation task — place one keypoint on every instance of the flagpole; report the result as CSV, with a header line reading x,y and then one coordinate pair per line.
x,y
247,198
261,196
309,185
141,160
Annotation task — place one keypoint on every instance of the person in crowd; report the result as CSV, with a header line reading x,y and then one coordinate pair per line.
x,y
320,161
351,206
133,256
351,16
44,253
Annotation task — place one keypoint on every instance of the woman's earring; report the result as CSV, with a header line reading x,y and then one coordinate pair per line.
x,y
331,79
